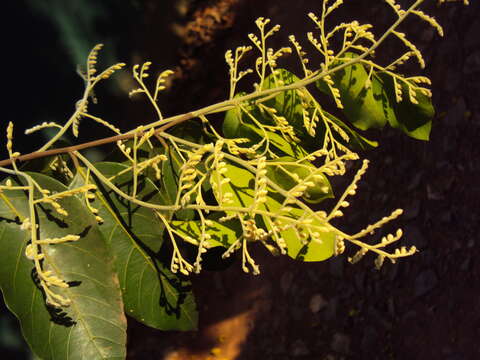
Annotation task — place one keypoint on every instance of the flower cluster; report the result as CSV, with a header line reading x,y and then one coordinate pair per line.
x,y
252,183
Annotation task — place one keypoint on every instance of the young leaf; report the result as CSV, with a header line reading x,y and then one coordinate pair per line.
x,y
151,293
94,325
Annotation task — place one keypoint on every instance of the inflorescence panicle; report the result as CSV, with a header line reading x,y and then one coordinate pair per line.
x,y
247,181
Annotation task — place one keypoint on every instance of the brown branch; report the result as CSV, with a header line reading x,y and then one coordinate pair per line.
x,y
69,149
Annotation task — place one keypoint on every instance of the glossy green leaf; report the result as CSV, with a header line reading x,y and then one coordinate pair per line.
x,y
94,325
151,292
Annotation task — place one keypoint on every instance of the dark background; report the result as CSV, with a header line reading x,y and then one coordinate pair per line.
x,y
425,307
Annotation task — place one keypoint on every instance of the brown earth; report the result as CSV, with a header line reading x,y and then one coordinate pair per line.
x,y
425,307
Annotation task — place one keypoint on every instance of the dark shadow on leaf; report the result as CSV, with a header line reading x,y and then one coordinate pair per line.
x,y
172,305
179,282
11,221
49,214
409,116
57,315
301,254
85,231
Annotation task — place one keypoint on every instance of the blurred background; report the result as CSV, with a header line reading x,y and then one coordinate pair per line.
x,y
47,41
426,307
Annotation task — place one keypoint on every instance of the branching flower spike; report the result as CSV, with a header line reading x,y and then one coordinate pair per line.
x,y
184,184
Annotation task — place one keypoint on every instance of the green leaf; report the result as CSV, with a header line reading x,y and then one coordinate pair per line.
x,y
289,104
282,175
312,251
287,147
242,186
232,121
356,140
222,233
94,325
374,106
364,107
151,292
169,182
415,120
238,124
